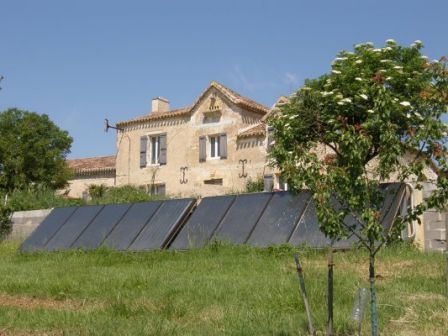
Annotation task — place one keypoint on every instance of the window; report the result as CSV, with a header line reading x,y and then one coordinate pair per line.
x,y
157,189
214,147
153,149
213,182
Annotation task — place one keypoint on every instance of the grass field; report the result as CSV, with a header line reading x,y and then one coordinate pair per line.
x,y
219,290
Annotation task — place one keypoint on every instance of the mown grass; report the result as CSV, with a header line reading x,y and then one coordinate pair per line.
x,y
219,290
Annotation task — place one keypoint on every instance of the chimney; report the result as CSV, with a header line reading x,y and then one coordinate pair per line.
x,y
160,104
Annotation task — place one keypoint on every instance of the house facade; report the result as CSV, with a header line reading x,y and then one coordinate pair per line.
x,y
212,147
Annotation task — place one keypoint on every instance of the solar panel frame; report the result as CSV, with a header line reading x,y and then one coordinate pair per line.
x,y
205,219
156,234
307,231
73,227
97,231
279,218
130,226
47,229
247,207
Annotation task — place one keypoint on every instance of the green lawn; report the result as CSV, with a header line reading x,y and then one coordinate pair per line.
x,y
220,290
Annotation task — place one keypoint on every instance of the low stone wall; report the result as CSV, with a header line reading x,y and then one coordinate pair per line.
x,y
24,223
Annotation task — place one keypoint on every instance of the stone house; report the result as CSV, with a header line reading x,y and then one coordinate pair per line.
x,y
213,147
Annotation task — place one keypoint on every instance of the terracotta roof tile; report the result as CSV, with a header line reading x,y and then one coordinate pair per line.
x,y
156,116
100,163
239,99
256,130
282,100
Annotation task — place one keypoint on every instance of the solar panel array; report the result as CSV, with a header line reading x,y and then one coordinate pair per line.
x,y
259,219
139,226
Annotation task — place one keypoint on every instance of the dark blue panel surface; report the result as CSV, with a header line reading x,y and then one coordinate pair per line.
x,y
132,223
165,222
203,222
307,231
393,196
49,226
241,218
101,226
279,219
73,228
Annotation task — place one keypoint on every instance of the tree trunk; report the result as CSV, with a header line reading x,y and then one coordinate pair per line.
x,y
373,312
330,331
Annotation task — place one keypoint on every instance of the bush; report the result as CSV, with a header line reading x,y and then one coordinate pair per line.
x,y
5,221
39,198
255,186
124,194
35,198
97,191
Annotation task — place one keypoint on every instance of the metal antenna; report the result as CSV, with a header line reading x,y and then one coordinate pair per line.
x,y
107,126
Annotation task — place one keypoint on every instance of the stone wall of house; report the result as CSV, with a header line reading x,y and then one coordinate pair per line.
x,y
434,230
201,178
78,187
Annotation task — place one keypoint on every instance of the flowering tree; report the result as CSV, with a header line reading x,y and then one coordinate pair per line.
x,y
375,107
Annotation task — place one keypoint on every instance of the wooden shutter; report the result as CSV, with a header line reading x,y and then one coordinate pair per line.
x,y
268,183
223,146
202,149
162,146
143,148
270,137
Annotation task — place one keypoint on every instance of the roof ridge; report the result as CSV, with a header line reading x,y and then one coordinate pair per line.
x,y
233,96
238,97
93,157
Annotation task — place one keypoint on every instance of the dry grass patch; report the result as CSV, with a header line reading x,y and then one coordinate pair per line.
x,y
30,303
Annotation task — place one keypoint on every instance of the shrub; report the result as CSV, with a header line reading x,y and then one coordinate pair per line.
x,y
124,194
5,221
97,190
255,186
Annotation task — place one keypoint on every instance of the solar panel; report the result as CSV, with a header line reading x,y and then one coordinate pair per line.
x,y
73,227
393,197
307,231
279,219
125,232
101,226
242,216
49,226
162,226
203,222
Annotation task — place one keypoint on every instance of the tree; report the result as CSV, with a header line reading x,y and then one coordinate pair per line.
x,y
374,107
32,150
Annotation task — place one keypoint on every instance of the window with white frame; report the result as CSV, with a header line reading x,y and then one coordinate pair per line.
x,y
214,147
154,149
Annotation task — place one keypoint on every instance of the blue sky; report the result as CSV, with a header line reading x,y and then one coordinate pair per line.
x,y
82,61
